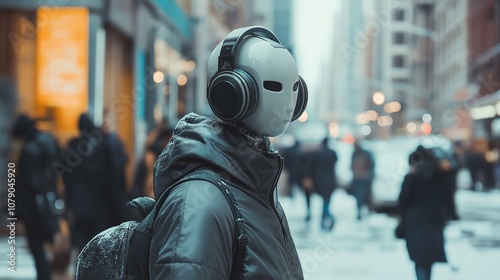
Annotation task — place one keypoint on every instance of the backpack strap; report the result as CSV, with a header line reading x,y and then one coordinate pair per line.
x,y
241,239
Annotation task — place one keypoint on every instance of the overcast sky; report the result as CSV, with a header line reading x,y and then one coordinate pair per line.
x,y
313,35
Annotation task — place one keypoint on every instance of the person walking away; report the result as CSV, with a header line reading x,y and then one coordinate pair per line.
x,y
119,160
424,204
363,173
458,164
143,177
491,157
291,155
306,180
475,162
322,172
36,190
89,196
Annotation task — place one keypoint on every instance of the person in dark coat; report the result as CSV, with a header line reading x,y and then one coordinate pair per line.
x,y
36,190
143,177
424,203
89,194
363,173
475,162
119,160
293,165
321,169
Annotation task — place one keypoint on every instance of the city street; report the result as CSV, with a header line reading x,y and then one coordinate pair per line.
x,y
368,250
105,101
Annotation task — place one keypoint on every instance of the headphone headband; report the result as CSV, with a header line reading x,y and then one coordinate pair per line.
x,y
234,38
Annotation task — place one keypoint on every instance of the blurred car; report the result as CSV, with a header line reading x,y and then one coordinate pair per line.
x,y
391,166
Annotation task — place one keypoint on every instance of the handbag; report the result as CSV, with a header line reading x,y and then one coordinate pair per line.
x,y
399,232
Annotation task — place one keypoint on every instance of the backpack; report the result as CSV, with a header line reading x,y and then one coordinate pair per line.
x,y
122,252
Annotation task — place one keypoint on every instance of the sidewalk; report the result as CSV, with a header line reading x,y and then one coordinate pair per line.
x,y
367,250
25,266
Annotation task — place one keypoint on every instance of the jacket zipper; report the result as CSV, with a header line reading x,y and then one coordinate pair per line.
x,y
274,204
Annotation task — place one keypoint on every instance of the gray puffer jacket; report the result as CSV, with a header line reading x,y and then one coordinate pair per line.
x,y
194,232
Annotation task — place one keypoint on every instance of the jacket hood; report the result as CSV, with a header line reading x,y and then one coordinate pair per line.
x,y
24,127
427,161
203,143
85,123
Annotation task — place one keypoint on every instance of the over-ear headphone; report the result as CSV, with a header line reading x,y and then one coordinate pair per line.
x,y
233,94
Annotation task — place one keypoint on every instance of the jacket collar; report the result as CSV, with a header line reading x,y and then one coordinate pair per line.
x,y
242,158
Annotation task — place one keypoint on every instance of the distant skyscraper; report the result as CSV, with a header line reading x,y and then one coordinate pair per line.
x,y
450,64
283,10
347,94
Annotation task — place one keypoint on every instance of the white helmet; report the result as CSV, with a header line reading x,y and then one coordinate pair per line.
x,y
254,80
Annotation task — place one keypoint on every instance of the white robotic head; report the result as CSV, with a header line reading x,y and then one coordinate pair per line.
x,y
261,89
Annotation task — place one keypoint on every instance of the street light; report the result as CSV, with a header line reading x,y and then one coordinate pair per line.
x,y
427,118
411,127
158,77
378,98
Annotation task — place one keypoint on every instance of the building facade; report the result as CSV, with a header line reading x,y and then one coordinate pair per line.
x,y
450,68
131,64
484,68
343,99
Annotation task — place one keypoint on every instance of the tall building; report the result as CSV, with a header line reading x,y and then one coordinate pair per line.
x,y
111,58
484,67
420,38
282,22
400,62
387,66
346,94
450,68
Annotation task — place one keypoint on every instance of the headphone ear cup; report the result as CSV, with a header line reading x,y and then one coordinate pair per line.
x,y
302,97
233,95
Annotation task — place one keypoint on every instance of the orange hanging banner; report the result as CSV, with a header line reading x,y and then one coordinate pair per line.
x,y
62,47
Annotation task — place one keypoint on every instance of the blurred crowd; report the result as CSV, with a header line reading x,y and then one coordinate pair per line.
x,y
66,195
312,170
426,202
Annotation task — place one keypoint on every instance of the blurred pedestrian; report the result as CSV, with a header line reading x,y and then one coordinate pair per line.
x,y
143,178
306,182
458,164
491,157
424,204
89,194
363,173
36,190
292,158
475,162
119,160
321,169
